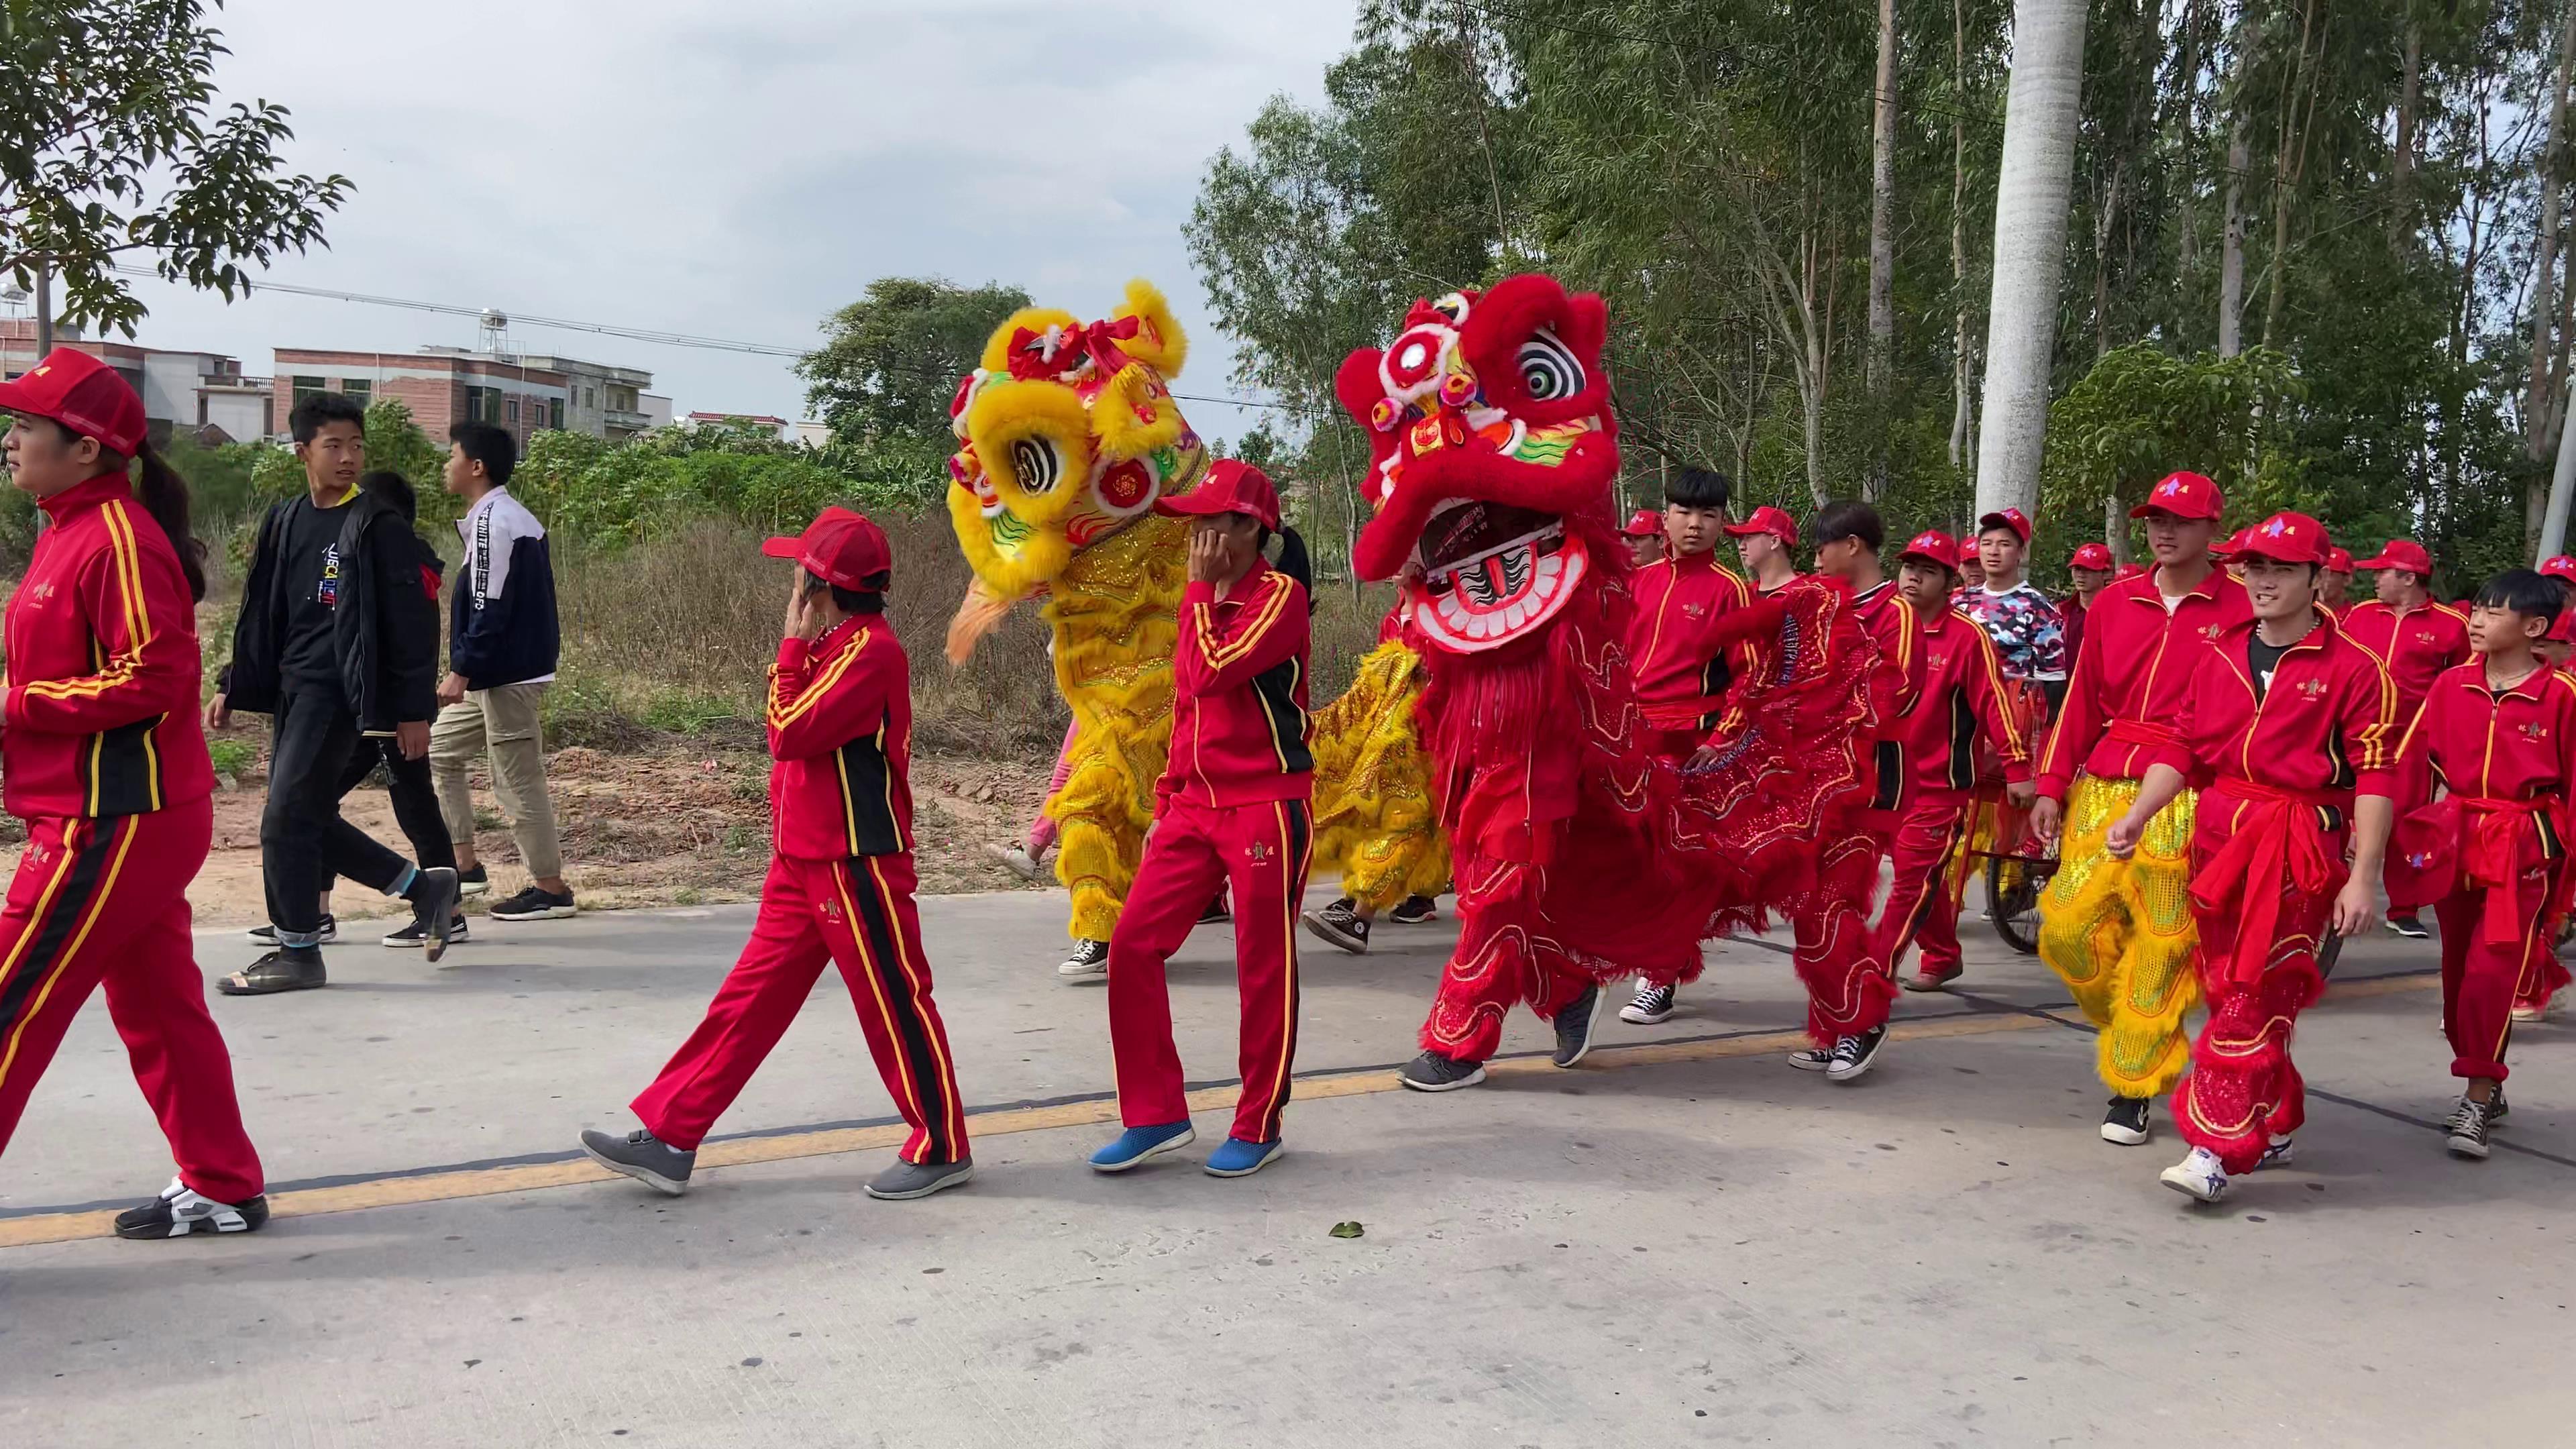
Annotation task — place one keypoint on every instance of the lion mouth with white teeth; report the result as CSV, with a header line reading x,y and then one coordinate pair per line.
x,y
1492,573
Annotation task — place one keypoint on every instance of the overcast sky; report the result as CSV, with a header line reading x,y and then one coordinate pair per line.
x,y
739,170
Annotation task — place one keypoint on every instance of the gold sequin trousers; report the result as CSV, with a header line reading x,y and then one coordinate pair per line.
x,y
2120,934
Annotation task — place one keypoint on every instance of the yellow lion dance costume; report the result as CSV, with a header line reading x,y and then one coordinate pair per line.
x,y
1067,433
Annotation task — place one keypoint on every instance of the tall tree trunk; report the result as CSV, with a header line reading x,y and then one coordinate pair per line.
x,y
1475,77
2105,214
2231,263
2186,184
2289,165
2042,116
1962,368
1882,208
2115,527
2401,170
2537,404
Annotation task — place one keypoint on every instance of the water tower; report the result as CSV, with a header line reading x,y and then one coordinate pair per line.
x,y
494,334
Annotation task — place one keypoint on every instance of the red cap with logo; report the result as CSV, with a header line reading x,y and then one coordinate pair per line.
x,y
2561,567
2286,538
2562,630
1231,486
84,395
2338,561
842,548
2230,546
2092,556
2012,518
1767,519
2184,495
2404,555
1644,523
1933,547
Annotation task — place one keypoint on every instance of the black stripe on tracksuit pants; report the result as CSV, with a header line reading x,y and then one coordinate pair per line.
x,y
911,1033
60,918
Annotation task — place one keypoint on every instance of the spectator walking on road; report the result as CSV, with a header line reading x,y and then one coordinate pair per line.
x,y
502,645
327,647
104,761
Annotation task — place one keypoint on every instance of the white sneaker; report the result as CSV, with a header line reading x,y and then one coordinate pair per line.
x,y
2275,1155
2198,1175
1089,961
2547,1008
1016,858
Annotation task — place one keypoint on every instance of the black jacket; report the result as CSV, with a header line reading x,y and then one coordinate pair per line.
x,y
385,627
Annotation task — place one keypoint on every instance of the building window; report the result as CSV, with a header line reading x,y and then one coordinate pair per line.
x,y
358,390
590,397
554,414
483,405
514,410
304,387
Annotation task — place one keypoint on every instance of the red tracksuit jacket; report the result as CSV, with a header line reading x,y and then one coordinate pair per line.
x,y
1239,694
2413,645
2130,678
103,670
2494,752
1682,678
1960,693
2327,727
840,730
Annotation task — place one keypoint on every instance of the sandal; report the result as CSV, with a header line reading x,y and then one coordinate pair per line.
x,y
275,972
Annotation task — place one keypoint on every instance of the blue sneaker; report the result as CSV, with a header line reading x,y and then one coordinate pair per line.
x,y
1137,1144
1238,1158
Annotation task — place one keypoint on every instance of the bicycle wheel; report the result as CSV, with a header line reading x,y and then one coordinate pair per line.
x,y
2013,887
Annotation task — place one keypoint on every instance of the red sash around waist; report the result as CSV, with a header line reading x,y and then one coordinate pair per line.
x,y
2278,843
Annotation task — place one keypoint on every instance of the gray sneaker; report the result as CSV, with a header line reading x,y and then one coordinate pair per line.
x,y
642,1156
908,1180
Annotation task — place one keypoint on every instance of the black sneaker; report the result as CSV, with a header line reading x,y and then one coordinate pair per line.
x,y
908,1180
534,904
2496,1107
2126,1122
417,933
473,882
180,1212
1574,1025
1415,911
1653,1005
642,1156
266,935
289,968
2466,1132
1216,914
1853,1055
1432,1072
2409,927
1340,923
1089,962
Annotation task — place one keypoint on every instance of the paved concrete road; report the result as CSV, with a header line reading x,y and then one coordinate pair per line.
x,y
1683,1244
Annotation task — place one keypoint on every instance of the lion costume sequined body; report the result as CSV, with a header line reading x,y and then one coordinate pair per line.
x,y
1580,856
1067,433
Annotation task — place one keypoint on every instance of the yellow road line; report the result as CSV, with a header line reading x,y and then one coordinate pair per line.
x,y
742,1152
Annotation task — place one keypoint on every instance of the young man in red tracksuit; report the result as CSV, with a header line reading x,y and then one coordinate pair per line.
x,y
2091,567
1232,806
2414,637
840,884
102,756
2491,856
2292,734
1644,532
1961,697
2334,586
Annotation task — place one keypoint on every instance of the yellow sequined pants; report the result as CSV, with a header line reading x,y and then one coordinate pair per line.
x,y
2120,934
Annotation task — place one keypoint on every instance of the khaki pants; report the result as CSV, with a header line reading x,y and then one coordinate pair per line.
x,y
502,721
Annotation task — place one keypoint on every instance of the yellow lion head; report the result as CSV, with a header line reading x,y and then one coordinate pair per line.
x,y
1066,434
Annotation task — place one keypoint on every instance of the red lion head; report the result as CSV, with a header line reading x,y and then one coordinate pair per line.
x,y
1493,453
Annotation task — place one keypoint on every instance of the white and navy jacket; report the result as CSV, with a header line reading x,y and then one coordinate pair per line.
x,y
501,620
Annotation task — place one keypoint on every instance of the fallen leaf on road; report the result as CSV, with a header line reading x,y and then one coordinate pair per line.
x,y
1347,1230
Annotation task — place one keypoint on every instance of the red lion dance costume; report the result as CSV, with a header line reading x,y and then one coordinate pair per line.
x,y
1580,857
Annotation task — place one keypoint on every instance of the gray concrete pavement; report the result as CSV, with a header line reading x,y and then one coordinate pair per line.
x,y
1702,1251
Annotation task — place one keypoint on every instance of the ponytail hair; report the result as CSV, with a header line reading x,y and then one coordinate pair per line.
x,y
1294,563
164,495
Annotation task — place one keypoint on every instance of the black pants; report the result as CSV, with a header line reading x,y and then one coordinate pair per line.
x,y
303,842
413,793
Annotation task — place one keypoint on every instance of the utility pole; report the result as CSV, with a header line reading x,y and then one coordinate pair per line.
x,y
2562,483
44,307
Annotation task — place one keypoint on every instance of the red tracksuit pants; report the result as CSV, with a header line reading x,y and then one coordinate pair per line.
x,y
2481,981
1920,911
1262,850
2243,1089
859,915
1849,985
104,902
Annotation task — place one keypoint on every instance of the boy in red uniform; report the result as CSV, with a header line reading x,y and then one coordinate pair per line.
x,y
1232,806
2292,734
1645,535
2334,586
2091,568
1961,696
2491,857
840,884
102,756
2414,638
2118,932
1682,679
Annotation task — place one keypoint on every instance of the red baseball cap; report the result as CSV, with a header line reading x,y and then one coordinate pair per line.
x,y
1767,519
2012,518
2404,555
2561,567
2230,546
2340,562
2184,495
2563,629
1231,486
2132,571
2092,556
1933,547
84,395
2287,538
1644,523
839,547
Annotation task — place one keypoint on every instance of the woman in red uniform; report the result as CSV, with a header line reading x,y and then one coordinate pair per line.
x,y
1232,807
101,756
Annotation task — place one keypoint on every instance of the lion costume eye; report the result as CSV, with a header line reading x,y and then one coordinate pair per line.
x,y
1035,464
1549,370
